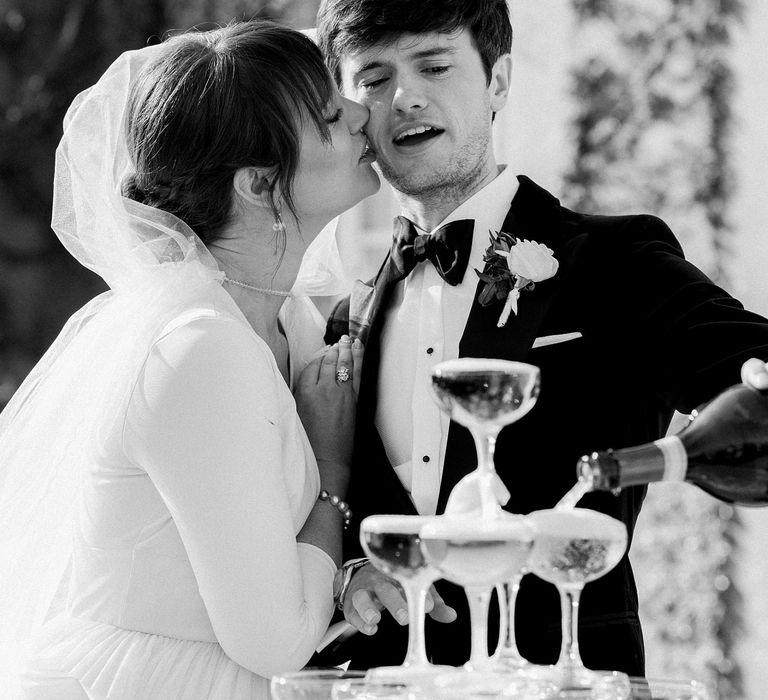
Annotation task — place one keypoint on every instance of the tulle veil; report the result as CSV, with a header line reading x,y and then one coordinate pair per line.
x,y
154,266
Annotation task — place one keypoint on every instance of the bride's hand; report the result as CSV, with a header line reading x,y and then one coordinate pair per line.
x,y
326,398
351,359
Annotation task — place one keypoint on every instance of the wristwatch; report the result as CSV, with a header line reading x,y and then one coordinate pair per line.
x,y
343,578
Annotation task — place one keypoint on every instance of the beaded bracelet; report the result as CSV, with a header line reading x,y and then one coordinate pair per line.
x,y
338,504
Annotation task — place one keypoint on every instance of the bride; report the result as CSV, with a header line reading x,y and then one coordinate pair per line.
x,y
170,517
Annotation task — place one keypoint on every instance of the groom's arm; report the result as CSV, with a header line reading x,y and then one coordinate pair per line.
x,y
693,337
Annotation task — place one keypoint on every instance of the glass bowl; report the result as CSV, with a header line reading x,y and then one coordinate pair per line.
x,y
656,689
310,684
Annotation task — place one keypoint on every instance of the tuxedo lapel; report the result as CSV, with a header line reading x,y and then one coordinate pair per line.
x,y
367,306
534,215
368,299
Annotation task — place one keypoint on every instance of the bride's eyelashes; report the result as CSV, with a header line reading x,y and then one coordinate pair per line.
x,y
337,115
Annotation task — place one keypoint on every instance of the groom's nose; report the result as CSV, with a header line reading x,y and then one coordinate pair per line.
x,y
409,95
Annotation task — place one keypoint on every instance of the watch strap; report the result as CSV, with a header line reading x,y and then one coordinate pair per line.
x,y
344,578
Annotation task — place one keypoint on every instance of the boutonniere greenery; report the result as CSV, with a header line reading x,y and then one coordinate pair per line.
x,y
512,265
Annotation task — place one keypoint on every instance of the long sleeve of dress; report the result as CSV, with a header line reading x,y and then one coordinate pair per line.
x,y
215,427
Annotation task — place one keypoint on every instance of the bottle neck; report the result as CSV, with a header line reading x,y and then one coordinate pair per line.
x,y
661,460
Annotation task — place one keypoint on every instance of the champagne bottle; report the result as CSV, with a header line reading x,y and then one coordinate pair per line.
x,y
723,450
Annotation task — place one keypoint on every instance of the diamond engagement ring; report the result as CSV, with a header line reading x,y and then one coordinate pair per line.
x,y
342,375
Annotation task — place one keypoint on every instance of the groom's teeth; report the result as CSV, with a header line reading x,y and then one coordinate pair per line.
x,y
413,132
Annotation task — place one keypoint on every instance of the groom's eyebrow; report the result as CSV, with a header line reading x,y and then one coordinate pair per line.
x,y
370,65
434,51
373,64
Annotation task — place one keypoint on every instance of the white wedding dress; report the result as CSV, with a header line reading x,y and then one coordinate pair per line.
x,y
154,473
186,579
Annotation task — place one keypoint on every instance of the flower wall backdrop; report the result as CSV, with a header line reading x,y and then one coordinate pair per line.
x,y
653,86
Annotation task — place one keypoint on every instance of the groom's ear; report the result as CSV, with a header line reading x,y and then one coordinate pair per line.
x,y
255,185
501,77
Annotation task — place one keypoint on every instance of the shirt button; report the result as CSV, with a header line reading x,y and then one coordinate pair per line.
x,y
425,458
430,351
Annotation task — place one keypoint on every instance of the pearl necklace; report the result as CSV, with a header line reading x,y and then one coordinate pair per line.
x,y
263,290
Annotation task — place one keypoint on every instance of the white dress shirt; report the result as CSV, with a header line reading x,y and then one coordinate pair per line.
x,y
423,327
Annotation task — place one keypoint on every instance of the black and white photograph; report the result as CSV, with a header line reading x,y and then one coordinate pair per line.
x,y
383,350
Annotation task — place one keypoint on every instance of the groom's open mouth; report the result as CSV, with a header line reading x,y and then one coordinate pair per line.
x,y
416,135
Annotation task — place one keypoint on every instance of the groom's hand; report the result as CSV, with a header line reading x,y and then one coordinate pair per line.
x,y
370,592
754,373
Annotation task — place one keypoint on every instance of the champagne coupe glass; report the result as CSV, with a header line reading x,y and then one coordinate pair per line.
x,y
310,684
476,553
522,673
393,544
508,657
575,546
369,688
653,689
484,395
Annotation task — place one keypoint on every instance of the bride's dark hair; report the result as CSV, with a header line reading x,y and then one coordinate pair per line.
x,y
217,101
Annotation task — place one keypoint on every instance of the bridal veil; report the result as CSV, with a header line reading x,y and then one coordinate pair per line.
x,y
154,266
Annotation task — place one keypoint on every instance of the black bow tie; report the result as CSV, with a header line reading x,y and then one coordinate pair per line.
x,y
447,248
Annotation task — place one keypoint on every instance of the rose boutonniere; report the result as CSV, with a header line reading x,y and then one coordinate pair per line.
x,y
511,265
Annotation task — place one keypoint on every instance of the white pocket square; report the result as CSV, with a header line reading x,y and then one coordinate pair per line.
x,y
553,339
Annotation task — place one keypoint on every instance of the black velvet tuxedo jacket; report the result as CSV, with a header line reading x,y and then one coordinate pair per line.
x,y
657,335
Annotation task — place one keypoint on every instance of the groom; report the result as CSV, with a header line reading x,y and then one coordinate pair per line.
x,y
624,331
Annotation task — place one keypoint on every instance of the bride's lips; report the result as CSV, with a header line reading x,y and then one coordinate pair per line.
x,y
368,155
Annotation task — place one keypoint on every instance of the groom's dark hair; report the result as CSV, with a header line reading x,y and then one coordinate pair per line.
x,y
351,25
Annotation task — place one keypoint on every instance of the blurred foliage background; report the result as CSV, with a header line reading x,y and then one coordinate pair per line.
x,y
50,50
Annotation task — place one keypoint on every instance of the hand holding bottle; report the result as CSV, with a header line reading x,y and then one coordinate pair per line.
x,y
754,373
723,450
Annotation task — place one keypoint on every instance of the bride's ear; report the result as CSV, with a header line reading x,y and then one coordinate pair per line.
x,y
256,185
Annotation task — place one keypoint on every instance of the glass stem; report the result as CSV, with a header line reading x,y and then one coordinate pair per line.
x,y
485,443
415,590
479,600
570,658
509,653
